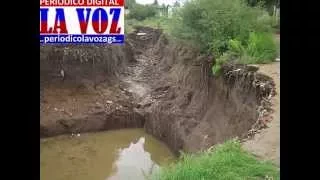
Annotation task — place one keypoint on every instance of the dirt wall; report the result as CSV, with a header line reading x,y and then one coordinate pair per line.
x,y
83,64
196,109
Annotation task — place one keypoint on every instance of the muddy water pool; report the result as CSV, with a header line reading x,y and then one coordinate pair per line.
x,y
111,155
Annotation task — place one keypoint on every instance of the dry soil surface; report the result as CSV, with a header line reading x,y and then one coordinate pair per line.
x,y
266,144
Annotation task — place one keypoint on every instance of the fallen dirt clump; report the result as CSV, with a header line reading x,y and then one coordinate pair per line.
x,y
168,89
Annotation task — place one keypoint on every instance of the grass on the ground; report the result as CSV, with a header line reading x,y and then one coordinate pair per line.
x,y
154,22
224,162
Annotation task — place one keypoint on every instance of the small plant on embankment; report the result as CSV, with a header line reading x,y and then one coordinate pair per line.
x,y
261,48
217,67
224,162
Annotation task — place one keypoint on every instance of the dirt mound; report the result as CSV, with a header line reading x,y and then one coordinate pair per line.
x,y
164,86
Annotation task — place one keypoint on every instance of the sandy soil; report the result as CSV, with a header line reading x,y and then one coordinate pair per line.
x,y
266,144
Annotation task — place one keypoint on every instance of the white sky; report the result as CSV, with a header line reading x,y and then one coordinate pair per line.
x,y
170,2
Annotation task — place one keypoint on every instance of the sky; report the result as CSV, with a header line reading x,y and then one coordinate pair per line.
x,y
166,2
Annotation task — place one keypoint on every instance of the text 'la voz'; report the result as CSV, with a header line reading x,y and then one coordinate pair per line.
x,y
100,18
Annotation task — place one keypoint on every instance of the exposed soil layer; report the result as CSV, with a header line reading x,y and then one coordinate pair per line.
x,y
74,110
165,87
266,144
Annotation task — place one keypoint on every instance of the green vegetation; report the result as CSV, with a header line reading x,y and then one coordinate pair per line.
x,y
130,4
241,29
227,28
213,23
224,162
152,15
261,48
141,12
217,67
155,22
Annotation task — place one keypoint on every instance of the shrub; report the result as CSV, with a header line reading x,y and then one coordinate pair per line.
x,y
141,12
226,56
262,47
217,67
212,23
236,47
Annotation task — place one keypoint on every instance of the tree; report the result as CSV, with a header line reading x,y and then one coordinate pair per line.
x,y
176,4
268,4
130,3
141,12
164,9
155,3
